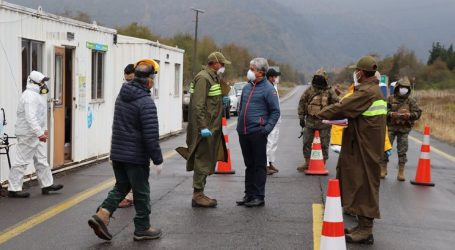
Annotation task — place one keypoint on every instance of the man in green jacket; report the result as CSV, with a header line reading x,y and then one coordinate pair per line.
x,y
358,167
205,137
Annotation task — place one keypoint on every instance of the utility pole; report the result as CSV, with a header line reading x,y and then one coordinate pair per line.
x,y
193,71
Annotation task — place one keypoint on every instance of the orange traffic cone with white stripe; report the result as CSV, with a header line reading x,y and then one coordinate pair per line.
x,y
423,173
316,165
225,167
332,236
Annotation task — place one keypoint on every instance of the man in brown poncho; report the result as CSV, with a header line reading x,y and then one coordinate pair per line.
x,y
358,166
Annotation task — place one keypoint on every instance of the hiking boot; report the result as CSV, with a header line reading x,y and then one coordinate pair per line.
x,y
351,230
273,167
149,234
383,171
99,223
364,232
51,188
270,171
304,166
125,203
200,200
400,176
18,194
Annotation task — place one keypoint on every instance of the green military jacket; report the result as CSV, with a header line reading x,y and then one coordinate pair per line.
x,y
205,111
402,104
311,102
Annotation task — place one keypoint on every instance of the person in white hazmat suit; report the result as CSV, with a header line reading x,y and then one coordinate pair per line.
x,y
32,135
272,139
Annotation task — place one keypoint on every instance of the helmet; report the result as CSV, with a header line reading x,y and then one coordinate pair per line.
x,y
151,62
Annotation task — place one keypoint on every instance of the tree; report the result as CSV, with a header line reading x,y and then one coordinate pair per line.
x,y
137,30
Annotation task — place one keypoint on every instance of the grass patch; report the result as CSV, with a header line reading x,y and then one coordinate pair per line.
x,y
438,108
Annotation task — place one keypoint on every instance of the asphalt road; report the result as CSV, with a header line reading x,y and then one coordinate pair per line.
x,y
413,217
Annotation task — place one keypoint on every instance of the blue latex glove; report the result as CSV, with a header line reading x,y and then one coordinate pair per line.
x,y
388,152
226,100
206,133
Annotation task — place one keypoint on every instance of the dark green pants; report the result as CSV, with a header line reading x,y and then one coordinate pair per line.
x,y
199,181
127,177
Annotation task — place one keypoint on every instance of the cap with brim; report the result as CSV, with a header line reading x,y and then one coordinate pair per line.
x,y
272,72
217,57
367,63
38,77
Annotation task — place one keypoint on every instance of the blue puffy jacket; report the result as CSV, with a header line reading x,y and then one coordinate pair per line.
x,y
259,108
135,132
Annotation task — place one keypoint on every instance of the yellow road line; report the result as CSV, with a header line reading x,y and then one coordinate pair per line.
x,y
433,149
50,212
317,225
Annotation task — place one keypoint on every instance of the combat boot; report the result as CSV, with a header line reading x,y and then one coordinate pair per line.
x,y
200,200
383,171
99,223
364,232
304,166
400,176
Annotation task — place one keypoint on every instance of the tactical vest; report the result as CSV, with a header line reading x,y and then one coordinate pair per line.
x,y
400,107
318,102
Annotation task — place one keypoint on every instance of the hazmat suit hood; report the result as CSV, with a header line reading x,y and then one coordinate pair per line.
x,y
133,91
402,83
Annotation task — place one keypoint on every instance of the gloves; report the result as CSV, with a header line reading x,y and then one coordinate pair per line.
x,y
206,133
226,100
394,115
302,123
388,152
405,116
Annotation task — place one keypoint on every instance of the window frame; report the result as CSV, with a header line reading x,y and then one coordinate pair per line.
x,y
177,69
98,85
156,84
28,66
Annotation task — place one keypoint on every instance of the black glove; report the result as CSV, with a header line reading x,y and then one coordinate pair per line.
x,y
302,123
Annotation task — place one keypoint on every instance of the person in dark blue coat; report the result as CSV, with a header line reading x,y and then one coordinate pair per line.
x,y
259,113
135,140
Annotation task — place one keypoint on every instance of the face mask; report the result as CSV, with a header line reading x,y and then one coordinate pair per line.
x,y
250,75
356,80
403,91
43,89
220,70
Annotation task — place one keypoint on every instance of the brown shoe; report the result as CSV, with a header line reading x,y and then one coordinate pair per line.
x,y
304,166
363,234
149,234
99,223
400,176
270,171
271,166
383,171
125,203
200,200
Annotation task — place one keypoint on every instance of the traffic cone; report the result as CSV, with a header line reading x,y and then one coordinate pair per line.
x,y
332,236
423,173
316,165
225,167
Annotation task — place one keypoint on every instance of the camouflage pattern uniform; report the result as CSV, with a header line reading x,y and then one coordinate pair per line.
x,y
402,112
313,100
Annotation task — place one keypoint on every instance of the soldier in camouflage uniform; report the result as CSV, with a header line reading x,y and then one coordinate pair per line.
x,y
402,112
313,100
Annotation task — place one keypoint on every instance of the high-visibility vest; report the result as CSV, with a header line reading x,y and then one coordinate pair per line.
x,y
215,90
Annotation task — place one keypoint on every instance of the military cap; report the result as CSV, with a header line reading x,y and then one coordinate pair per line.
x,y
366,63
217,57
321,72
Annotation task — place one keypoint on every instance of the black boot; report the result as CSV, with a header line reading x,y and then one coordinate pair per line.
x,y
51,188
18,194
